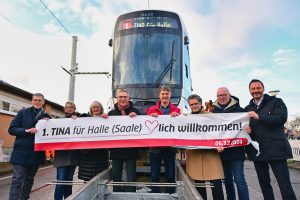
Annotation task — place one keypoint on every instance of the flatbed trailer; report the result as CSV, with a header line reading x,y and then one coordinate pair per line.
x,y
100,188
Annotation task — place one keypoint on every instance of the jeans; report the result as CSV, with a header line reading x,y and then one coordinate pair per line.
x,y
65,173
282,175
234,172
117,168
169,162
217,190
22,181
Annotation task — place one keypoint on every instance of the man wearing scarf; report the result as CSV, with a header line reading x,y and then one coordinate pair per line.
x,y
25,160
124,155
232,158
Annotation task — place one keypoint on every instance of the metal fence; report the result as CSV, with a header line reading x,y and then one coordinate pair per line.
x,y
295,144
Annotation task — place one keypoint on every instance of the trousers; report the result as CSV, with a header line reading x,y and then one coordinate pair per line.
x,y
282,175
117,168
22,181
65,173
234,173
169,162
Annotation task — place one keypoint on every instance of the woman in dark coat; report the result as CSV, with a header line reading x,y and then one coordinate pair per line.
x,y
65,161
93,161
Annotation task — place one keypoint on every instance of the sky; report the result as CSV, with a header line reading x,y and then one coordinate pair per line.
x,y
231,42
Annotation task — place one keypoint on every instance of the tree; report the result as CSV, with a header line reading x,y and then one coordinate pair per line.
x,y
294,124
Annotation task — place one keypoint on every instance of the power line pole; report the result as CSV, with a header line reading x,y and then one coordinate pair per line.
x,y
74,70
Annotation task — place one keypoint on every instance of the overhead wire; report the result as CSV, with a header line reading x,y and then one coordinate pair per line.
x,y
62,25
8,21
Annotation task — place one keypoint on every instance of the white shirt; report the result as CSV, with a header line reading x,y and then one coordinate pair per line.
x,y
257,103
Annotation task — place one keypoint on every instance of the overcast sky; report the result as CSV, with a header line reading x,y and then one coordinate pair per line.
x,y
231,42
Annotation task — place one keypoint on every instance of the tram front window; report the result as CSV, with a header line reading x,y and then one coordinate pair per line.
x,y
139,59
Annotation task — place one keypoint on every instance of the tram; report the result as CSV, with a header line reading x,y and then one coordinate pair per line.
x,y
151,49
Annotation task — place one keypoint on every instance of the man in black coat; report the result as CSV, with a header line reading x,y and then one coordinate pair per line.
x,y
124,155
24,159
232,158
268,115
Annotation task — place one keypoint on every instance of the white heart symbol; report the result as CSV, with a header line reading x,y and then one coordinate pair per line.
x,y
151,125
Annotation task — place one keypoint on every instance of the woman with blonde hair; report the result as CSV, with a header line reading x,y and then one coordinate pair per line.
x,y
93,161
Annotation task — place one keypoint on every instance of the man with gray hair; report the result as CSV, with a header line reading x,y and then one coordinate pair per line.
x,y
124,107
232,158
25,160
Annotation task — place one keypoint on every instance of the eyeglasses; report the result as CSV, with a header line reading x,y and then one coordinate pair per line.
x,y
37,100
122,97
222,95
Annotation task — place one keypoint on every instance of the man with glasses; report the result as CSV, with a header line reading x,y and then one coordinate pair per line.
x,y
124,155
232,158
24,159
204,164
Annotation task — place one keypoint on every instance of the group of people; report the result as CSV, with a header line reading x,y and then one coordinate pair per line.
x,y
89,161
267,117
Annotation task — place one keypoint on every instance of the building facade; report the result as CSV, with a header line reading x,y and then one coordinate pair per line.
x,y
13,99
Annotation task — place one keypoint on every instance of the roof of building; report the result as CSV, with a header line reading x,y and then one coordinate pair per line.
x,y
18,91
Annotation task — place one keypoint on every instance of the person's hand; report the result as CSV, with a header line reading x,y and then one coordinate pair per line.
x,y
31,130
154,114
46,118
220,149
174,114
132,114
253,115
74,117
248,129
104,115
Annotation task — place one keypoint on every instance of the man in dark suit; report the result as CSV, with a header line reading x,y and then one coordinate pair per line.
x,y
268,115
128,156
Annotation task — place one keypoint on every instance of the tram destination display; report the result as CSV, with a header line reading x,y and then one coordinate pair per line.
x,y
143,22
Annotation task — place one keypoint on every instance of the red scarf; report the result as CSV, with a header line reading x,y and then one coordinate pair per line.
x,y
122,109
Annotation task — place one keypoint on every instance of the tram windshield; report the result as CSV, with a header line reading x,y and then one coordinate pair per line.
x,y
147,54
